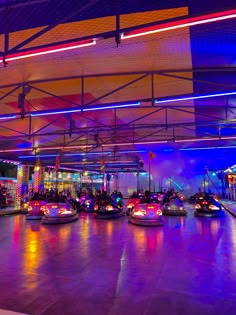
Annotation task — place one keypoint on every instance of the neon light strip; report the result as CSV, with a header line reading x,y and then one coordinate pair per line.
x,y
15,150
152,142
200,139
8,117
36,156
133,151
55,113
206,139
89,153
194,97
71,110
208,148
191,21
112,106
44,51
113,144
103,152
10,162
132,143
76,154
81,163
99,164
50,148
115,165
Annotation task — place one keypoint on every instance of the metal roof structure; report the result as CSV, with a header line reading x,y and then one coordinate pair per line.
x,y
103,82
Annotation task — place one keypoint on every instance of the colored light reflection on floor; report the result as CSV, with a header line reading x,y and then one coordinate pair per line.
x,y
112,265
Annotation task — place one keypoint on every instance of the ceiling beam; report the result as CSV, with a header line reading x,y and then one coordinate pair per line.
x,y
225,69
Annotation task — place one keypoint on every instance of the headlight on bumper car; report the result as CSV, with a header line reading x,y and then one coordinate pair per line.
x,y
64,211
214,207
45,210
109,208
139,212
130,206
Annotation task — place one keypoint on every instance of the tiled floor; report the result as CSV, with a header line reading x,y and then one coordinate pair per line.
x,y
95,267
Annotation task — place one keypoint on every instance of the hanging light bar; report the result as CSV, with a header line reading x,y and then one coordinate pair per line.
x,y
193,97
206,139
181,23
80,109
15,150
49,50
112,106
7,117
208,148
108,145
132,143
36,156
49,148
78,154
63,111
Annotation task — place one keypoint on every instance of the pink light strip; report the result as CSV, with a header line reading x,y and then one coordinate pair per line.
x,y
114,144
80,146
133,143
49,148
16,150
191,21
45,51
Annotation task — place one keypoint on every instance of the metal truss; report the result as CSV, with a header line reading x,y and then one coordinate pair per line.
x,y
132,131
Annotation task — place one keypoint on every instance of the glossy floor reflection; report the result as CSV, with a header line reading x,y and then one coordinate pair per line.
x,y
99,267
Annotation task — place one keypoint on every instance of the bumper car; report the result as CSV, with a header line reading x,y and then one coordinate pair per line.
x,y
132,202
108,210
208,206
24,207
174,207
148,214
75,204
34,210
160,197
88,205
56,213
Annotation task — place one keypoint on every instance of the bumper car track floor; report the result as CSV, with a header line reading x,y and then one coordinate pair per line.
x,y
186,266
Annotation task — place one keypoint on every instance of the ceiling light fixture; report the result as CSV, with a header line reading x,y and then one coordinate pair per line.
x,y
48,50
181,23
193,97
